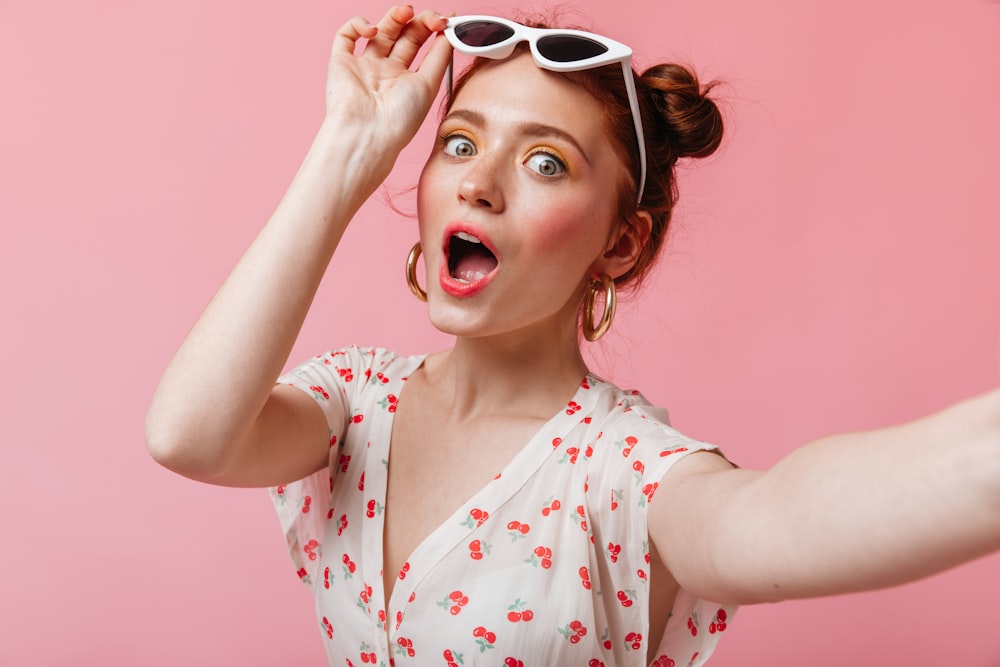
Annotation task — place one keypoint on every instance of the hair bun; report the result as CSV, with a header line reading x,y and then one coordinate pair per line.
x,y
692,121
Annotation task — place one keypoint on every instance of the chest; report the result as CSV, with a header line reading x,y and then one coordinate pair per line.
x,y
435,466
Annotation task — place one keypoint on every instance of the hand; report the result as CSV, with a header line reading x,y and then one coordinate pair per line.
x,y
376,90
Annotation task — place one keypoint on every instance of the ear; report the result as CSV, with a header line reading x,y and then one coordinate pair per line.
x,y
625,246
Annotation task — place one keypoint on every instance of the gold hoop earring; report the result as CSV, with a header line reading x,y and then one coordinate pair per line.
x,y
607,285
411,272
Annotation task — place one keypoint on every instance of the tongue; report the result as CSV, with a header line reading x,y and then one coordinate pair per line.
x,y
474,266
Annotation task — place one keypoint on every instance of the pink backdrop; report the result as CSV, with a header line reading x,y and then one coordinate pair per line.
x,y
834,268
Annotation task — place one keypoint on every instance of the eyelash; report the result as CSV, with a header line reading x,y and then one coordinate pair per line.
x,y
551,156
446,139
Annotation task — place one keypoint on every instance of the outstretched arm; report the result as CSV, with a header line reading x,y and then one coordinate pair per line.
x,y
846,513
217,415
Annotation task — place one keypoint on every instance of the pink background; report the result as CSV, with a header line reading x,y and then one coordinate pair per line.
x,y
834,267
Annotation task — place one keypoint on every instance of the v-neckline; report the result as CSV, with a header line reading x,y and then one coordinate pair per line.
x,y
461,523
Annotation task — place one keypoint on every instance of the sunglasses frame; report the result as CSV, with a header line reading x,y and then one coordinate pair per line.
x,y
616,52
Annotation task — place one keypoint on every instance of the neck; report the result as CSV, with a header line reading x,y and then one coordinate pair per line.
x,y
518,374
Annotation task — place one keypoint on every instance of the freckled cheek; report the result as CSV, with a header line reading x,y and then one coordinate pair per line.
x,y
573,234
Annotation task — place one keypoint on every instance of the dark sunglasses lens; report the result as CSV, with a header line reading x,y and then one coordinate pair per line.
x,y
482,33
569,48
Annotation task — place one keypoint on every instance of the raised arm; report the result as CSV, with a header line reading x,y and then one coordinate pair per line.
x,y
216,415
846,513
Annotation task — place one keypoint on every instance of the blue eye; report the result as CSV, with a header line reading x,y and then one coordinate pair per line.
x,y
459,146
545,164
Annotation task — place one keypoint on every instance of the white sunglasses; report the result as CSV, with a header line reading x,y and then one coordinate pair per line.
x,y
553,49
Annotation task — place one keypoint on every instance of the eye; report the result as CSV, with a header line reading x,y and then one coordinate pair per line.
x,y
545,164
459,146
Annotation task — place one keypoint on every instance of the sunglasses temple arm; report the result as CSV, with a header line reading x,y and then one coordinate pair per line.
x,y
633,100
448,77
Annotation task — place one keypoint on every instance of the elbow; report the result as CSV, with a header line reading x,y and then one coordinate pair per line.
x,y
180,446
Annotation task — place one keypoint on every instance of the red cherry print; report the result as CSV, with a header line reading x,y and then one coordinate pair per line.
x,y
638,467
556,442
357,419
302,573
333,442
513,616
589,451
594,662
527,615
613,551
573,639
668,452
479,632
345,461
513,525
719,622
692,627
585,578
310,549
448,655
326,577
512,662
319,390
381,377
572,408
490,637
663,661
585,384
361,481
328,628
476,515
556,504
523,528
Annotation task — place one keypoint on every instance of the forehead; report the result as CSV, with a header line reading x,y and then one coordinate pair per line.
x,y
516,88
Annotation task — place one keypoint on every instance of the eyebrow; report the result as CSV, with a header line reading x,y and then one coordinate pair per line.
x,y
527,128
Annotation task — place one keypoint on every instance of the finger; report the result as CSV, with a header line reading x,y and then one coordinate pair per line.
x,y
349,34
436,62
415,34
389,29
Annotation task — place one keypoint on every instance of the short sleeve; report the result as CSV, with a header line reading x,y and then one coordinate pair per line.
x,y
637,448
336,381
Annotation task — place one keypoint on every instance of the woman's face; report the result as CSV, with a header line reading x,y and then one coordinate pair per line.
x,y
516,203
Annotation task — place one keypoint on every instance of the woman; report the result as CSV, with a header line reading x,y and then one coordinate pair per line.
x,y
528,511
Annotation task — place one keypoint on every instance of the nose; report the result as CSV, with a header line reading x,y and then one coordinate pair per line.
x,y
482,186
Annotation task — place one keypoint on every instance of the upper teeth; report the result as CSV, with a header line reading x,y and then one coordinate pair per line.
x,y
467,237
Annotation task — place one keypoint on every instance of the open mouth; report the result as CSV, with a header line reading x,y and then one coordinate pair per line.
x,y
469,259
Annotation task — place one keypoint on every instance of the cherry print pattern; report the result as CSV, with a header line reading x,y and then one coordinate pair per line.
x,y
484,638
614,449
517,611
479,549
454,602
